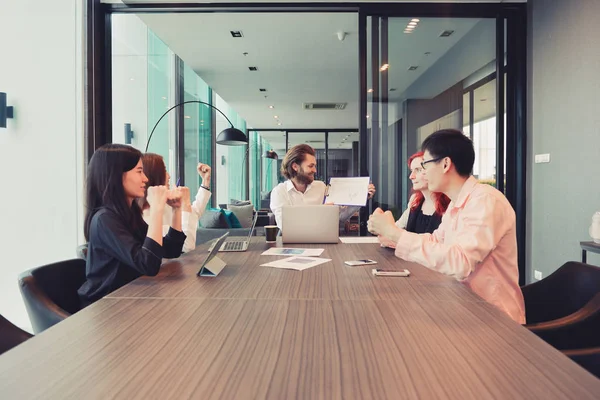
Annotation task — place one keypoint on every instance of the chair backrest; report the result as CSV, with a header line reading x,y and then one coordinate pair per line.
x,y
82,251
50,292
10,335
561,293
587,358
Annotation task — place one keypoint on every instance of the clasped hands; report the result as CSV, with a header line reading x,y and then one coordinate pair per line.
x,y
176,198
382,223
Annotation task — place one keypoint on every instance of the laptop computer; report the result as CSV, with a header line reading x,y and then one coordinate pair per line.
x,y
310,224
239,244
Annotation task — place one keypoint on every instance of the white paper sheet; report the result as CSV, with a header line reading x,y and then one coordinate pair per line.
x,y
348,191
290,251
359,239
296,263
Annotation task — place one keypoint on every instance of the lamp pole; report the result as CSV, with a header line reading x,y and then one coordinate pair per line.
x,y
229,137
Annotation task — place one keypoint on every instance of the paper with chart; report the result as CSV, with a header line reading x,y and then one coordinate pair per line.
x,y
359,239
348,191
296,263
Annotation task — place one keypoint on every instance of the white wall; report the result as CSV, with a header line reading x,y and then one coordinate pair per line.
x,y
41,151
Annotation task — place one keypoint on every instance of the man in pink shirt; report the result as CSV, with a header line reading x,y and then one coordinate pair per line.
x,y
476,242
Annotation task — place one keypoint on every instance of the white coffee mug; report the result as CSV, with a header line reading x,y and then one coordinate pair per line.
x,y
595,227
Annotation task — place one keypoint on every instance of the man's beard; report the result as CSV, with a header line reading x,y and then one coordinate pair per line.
x,y
305,178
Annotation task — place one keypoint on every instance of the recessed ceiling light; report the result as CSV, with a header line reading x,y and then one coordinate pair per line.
x,y
370,90
271,107
132,79
367,116
412,24
187,117
408,31
279,123
415,20
201,120
275,116
164,98
409,28
384,67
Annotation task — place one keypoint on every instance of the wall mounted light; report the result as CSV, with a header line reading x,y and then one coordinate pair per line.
x,y
128,133
5,111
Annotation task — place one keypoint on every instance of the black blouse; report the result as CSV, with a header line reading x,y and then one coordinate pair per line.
x,y
421,223
116,255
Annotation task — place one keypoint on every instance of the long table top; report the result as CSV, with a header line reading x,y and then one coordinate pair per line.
x,y
328,332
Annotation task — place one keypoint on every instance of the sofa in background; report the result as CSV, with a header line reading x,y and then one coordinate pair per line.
x,y
214,223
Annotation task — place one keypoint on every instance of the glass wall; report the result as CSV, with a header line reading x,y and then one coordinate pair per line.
x,y
483,126
342,155
197,127
419,70
143,70
231,160
148,80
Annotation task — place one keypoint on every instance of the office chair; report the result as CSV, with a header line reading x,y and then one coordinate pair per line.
x,y
50,292
10,335
561,293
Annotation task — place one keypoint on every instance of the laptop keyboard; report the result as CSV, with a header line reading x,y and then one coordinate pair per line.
x,y
233,246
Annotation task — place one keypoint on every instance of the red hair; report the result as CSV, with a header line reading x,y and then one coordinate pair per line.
x,y
440,200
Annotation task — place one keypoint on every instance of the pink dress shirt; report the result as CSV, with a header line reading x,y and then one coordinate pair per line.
x,y
476,243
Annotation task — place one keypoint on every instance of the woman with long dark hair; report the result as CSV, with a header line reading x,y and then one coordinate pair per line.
x,y
425,208
121,246
156,172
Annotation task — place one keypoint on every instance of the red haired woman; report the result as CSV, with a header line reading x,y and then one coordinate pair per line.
x,y
425,208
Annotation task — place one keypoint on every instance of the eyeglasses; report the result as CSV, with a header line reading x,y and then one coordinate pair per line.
x,y
432,160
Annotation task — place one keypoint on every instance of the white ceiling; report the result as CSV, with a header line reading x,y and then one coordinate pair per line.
x,y
406,50
299,58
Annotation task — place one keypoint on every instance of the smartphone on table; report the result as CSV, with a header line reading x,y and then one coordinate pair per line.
x,y
355,263
389,272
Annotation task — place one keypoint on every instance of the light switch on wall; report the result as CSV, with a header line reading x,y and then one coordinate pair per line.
x,y
542,158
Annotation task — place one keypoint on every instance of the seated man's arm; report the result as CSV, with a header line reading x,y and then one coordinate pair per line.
x,y
483,225
346,212
278,200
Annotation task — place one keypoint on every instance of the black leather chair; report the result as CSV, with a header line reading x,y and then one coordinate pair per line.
x,y
587,358
50,292
10,335
576,335
561,293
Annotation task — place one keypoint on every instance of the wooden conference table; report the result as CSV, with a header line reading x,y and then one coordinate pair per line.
x,y
329,332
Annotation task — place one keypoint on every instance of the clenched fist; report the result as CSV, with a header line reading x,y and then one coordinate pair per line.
x,y
157,196
204,171
174,197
